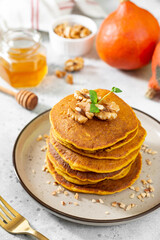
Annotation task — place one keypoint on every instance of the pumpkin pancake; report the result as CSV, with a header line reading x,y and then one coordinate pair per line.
x,y
94,134
84,163
104,187
116,145
117,153
72,179
122,142
64,167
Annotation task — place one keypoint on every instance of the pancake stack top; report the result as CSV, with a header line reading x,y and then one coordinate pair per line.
x,y
94,151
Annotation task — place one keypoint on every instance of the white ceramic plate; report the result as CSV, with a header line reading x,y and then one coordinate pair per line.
x,y
28,160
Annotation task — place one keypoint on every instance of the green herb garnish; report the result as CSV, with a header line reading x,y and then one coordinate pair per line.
x,y
94,99
94,108
93,96
116,90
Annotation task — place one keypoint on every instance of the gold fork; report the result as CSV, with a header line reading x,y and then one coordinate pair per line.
x,y
14,223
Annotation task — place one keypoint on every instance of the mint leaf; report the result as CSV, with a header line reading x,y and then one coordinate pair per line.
x,y
158,74
93,108
116,90
93,96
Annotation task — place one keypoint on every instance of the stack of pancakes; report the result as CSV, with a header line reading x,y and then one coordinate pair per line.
x,y
100,157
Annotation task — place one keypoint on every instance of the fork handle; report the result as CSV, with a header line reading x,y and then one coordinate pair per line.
x,y
36,234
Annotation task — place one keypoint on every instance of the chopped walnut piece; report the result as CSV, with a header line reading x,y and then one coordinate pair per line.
x,y
54,193
106,115
76,196
144,182
132,195
147,194
132,188
67,31
137,189
113,106
93,200
60,74
154,152
66,193
149,180
78,109
44,168
39,138
63,203
76,204
148,162
44,148
122,205
151,188
100,107
60,189
77,116
143,195
139,197
133,205
83,94
69,79
85,107
128,207
72,65
45,136
85,32
101,201
55,184
89,115
149,151
107,213
114,204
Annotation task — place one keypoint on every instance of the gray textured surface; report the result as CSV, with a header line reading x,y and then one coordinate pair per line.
x,y
13,118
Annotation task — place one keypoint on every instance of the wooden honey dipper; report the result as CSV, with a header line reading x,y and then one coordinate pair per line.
x,y
25,98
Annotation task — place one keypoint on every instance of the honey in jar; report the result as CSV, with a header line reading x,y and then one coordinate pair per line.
x,y
22,58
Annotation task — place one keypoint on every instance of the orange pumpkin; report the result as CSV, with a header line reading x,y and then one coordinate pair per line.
x,y
154,82
127,37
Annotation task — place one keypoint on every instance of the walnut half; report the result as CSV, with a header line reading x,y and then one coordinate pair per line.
x,y
77,116
72,65
81,113
103,115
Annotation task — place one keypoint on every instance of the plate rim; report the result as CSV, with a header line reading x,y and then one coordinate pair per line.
x,y
62,214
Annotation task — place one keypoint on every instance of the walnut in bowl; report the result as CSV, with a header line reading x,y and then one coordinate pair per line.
x,y
75,31
72,35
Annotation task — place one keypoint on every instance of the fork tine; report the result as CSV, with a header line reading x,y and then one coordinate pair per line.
x,y
2,224
6,212
4,217
9,207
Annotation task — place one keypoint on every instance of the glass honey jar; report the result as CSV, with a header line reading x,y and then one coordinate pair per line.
x,y
22,58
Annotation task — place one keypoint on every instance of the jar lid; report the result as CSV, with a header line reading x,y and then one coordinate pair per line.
x,y
21,42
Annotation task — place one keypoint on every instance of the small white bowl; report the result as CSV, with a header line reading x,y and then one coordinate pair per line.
x,y
73,47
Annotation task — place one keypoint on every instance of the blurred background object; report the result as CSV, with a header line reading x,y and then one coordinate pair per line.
x,y
39,14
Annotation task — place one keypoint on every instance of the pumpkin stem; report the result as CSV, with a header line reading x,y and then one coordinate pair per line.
x,y
121,1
